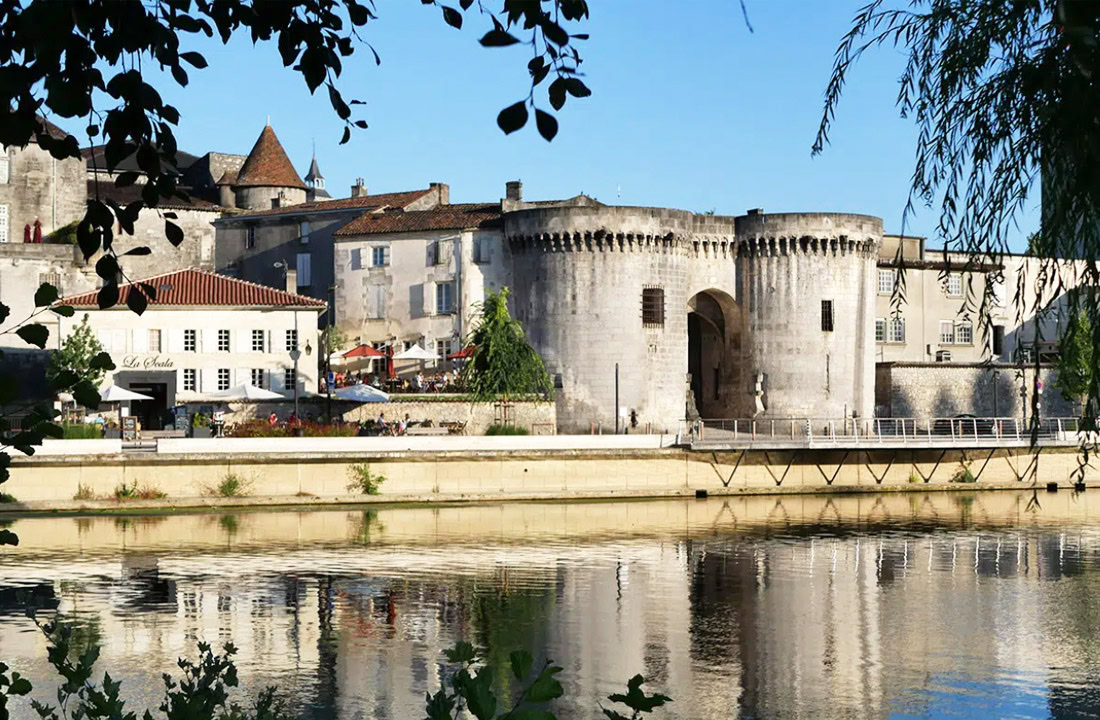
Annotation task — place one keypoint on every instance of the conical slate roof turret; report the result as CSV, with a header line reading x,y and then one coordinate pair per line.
x,y
268,166
314,173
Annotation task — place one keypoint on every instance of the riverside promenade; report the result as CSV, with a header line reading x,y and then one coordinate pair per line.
x,y
714,459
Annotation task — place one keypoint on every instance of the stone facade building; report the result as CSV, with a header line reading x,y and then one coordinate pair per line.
x,y
37,188
758,315
203,333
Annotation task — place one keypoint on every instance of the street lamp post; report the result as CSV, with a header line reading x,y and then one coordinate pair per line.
x,y
294,355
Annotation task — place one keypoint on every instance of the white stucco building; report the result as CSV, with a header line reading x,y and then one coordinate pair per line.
x,y
202,334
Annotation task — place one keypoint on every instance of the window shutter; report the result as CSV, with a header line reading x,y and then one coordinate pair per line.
x,y
141,340
278,341
174,339
244,340
208,339
242,375
357,259
302,265
208,380
416,300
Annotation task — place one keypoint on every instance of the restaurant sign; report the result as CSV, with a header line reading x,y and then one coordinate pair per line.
x,y
147,362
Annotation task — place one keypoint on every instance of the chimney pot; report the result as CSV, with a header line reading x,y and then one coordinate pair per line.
x,y
442,192
359,189
756,211
513,190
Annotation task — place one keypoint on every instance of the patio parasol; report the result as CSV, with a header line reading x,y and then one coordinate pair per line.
x,y
463,354
246,391
117,394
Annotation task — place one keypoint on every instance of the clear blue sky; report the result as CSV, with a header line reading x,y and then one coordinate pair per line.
x,y
689,110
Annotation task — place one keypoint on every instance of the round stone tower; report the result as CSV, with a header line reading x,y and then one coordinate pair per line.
x,y
267,178
719,317
807,290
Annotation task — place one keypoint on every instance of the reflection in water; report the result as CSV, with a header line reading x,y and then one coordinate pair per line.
x,y
915,605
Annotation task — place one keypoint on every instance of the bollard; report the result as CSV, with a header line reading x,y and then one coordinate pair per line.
x,y
700,494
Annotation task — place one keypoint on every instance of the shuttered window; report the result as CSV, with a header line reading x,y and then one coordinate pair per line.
x,y
653,307
304,275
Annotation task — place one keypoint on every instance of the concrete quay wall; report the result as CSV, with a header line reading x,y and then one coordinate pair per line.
x,y
190,479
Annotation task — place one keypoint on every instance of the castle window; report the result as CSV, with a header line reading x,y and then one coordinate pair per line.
x,y
653,307
826,315
897,330
886,280
954,285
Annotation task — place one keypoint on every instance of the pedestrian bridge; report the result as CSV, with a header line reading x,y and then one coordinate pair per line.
x,y
881,433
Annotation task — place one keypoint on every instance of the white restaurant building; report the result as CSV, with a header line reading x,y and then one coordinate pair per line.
x,y
203,333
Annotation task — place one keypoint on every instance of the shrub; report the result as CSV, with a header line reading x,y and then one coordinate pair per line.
x,y
231,485
6,498
498,429
81,431
262,428
914,478
363,481
136,492
83,492
963,475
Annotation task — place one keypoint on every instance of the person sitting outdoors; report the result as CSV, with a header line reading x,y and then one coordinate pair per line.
x,y
272,419
403,426
381,423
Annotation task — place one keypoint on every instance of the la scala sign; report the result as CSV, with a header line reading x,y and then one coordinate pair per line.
x,y
147,362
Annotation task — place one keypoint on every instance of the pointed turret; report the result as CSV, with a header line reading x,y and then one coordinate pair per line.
x,y
315,183
268,178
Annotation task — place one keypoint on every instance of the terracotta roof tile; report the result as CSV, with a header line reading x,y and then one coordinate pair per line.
x,y
193,287
444,217
267,165
368,202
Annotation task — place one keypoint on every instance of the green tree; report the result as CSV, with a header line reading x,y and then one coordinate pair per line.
x,y
1075,360
503,362
76,354
1003,93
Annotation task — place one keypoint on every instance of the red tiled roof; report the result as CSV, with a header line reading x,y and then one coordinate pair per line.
x,y
126,195
267,165
444,217
193,287
368,202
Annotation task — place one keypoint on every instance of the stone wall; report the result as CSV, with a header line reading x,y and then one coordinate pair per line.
x,y
39,186
196,251
938,390
260,196
539,418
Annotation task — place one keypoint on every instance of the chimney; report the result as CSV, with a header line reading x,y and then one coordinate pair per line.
x,y
359,189
292,281
513,190
755,211
442,192
280,201
226,197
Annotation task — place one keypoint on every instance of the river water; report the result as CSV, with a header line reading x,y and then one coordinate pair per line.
x,y
916,605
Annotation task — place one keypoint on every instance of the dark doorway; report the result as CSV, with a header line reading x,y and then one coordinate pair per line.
x,y
151,413
695,357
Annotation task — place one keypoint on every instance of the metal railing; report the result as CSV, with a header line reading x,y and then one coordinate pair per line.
x,y
934,431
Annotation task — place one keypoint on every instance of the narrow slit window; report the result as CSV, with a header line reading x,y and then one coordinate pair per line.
x,y
826,315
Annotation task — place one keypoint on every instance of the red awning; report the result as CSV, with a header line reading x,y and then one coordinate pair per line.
x,y
363,351
462,354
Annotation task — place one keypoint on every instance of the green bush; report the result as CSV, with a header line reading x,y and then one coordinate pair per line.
x,y
83,492
136,492
963,475
914,478
498,429
6,498
363,481
81,431
231,485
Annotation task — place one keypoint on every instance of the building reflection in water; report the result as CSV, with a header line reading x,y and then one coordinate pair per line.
x,y
754,607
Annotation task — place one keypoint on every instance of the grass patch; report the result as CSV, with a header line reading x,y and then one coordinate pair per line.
x,y
915,478
363,481
963,475
138,492
80,431
231,485
83,492
498,429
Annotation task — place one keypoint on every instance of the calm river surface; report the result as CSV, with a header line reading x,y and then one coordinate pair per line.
x,y
905,606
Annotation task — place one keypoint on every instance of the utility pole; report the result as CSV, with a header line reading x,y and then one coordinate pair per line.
x,y
328,350
616,398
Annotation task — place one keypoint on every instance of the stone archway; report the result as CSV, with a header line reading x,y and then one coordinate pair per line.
x,y
713,345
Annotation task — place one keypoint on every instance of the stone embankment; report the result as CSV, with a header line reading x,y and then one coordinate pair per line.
x,y
315,471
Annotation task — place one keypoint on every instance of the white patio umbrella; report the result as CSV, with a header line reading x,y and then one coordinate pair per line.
x,y
247,391
414,353
361,393
114,393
